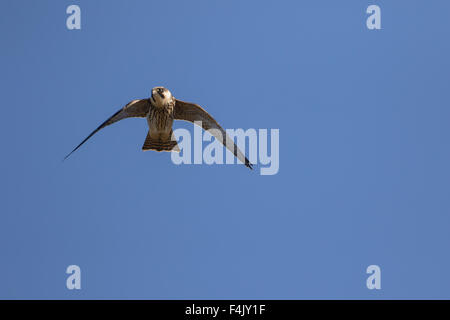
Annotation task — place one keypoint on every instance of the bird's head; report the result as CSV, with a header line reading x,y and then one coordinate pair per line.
x,y
161,96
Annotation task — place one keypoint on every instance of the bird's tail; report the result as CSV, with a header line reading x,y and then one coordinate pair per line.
x,y
160,145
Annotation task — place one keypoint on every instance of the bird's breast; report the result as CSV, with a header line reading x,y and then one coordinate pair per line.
x,y
160,119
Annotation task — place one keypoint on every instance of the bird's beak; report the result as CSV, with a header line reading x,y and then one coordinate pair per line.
x,y
161,95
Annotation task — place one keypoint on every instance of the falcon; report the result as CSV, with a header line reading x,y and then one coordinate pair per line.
x,y
160,110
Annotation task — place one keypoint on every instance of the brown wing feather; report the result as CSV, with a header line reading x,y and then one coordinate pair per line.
x,y
134,109
193,112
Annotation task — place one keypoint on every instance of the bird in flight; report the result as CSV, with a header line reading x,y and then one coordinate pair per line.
x,y
161,109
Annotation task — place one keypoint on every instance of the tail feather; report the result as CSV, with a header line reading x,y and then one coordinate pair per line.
x,y
159,145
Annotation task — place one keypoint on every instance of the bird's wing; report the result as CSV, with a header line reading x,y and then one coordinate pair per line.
x,y
134,109
193,113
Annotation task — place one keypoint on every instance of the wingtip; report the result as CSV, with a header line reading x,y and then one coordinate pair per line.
x,y
67,156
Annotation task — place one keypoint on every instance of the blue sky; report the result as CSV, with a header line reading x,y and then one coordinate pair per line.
x,y
364,176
